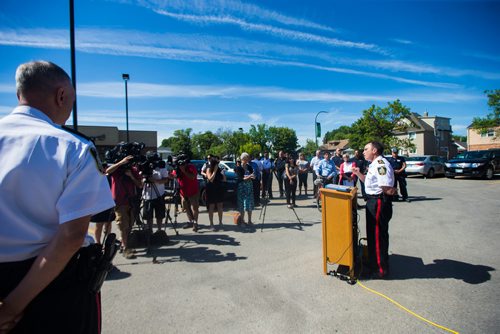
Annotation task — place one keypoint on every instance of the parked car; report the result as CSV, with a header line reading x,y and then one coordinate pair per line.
x,y
483,163
231,179
228,165
426,165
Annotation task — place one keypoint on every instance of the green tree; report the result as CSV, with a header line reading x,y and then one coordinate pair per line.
x,y
203,142
381,124
251,148
233,142
283,139
340,133
167,142
310,148
259,134
459,138
492,120
181,142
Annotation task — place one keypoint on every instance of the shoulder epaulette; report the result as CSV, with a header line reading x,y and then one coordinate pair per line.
x,y
75,132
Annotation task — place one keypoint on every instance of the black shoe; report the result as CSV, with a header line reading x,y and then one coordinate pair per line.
x,y
407,200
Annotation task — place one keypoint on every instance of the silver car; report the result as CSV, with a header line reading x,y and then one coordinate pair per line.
x,y
426,165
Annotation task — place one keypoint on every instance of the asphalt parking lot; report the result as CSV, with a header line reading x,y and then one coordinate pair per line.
x,y
269,279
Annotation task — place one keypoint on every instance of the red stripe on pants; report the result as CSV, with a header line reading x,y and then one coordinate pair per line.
x,y
377,235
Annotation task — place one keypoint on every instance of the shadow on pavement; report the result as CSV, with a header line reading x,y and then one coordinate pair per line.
x,y
190,254
410,267
421,198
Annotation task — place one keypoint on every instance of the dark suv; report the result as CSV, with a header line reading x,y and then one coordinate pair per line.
x,y
474,164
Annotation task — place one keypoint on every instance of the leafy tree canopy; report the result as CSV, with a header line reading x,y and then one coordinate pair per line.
x,y
492,120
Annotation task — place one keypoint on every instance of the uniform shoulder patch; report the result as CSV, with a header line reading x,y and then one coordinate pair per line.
x,y
97,160
382,170
381,162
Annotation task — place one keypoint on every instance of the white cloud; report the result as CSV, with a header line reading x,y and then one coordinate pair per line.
x,y
224,8
276,31
147,90
204,49
255,117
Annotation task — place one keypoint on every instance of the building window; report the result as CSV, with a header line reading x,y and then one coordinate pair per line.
x,y
412,135
489,133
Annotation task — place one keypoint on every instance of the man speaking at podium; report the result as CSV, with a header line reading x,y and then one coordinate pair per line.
x,y
379,188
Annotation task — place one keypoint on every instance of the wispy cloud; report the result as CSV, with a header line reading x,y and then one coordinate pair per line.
x,y
230,8
255,117
194,48
148,90
277,32
402,41
486,56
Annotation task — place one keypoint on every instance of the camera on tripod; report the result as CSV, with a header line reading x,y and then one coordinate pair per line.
x,y
149,162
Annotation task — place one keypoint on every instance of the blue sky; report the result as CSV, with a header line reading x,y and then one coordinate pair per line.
x,y
228,64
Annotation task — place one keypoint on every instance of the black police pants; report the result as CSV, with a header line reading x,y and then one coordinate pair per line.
x,y
65,306
378,215
401,182
256,191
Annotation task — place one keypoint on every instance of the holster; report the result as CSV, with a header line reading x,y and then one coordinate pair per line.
x,y
95,262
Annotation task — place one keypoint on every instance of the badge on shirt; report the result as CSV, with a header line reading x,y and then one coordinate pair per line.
x,y
97,161
382,170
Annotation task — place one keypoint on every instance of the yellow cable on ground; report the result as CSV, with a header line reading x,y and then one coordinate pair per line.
x,y
407,310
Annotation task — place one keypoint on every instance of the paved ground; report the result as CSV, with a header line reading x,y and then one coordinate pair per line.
x,y
444,262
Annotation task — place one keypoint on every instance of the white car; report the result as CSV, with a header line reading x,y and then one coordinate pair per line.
x,y
228,165
426,165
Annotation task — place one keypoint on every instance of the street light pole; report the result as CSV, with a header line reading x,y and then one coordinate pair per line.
x,y
315,125
126,77
73,65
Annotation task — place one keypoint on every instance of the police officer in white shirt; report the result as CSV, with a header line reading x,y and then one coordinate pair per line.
x,y
50,185
379,188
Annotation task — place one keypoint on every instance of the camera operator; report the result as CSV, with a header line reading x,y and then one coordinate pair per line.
x,y
189,189
125,180
153,192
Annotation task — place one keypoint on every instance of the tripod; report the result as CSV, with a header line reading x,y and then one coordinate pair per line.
x,y
173,196
150,186
264,208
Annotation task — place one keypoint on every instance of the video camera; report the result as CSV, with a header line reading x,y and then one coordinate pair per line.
x,y
123,150
149,162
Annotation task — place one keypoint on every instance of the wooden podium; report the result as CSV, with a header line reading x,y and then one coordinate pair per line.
x,y
339,209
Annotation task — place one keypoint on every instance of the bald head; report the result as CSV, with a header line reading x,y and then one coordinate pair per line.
x,y
47,87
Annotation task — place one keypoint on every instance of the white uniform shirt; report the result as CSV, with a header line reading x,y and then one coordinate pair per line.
x,y
48,177
315,161
148,191
380,173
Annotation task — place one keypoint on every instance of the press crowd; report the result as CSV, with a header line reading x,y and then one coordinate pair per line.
x,y
254,182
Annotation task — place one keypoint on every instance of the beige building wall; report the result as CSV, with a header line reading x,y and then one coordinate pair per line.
x,y
107,137
475,142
